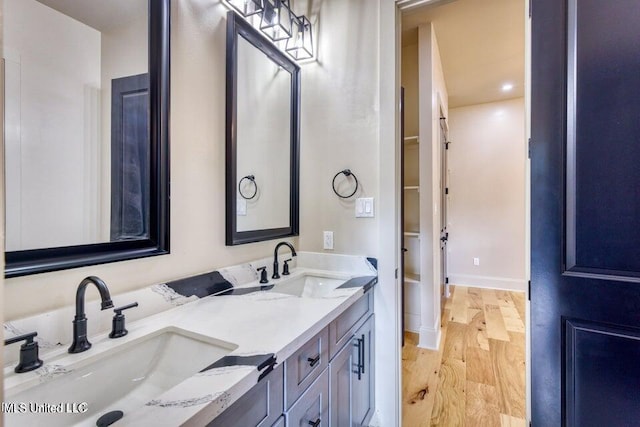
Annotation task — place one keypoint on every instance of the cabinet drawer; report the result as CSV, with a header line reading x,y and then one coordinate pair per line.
x,y
341,330
305,365
312,409
261,406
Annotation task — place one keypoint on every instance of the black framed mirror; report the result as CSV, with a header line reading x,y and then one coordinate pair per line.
x,y
92,186
262,137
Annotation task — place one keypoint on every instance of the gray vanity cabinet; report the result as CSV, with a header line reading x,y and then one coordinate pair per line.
x,y
363,382
312,409
341,375
261,406
352,380
327,382
305,365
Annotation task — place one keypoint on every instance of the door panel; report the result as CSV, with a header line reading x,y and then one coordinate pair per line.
x,y
604,60
585,212
593,354
130,158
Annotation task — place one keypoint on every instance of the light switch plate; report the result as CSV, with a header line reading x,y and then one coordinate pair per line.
x,y
241,207
365,207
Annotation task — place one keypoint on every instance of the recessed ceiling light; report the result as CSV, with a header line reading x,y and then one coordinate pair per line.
x,y
507,87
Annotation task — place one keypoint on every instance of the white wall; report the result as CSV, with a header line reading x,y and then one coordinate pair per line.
x,y
263,139
387,293
339,127
52,63
487,214
432,99
124,50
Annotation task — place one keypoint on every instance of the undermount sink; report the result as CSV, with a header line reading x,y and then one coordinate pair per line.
x,y
308,286
123,378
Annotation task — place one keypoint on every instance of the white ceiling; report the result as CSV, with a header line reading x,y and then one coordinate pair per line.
x,y
103,15
481,46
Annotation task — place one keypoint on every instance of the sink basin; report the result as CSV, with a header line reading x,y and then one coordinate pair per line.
x,y
122,378
308,286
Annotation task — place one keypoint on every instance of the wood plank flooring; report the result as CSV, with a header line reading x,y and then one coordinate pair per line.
x,y
477,378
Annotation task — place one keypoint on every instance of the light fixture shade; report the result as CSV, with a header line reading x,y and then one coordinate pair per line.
x,y
277,19
247,7
300,45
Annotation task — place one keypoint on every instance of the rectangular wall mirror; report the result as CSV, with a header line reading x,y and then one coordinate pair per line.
x,y
263,119
86,132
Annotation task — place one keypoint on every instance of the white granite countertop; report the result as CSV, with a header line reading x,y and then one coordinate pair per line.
x,y
258,323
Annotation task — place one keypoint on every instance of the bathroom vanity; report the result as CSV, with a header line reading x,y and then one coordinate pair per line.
x,y
223,350
327,381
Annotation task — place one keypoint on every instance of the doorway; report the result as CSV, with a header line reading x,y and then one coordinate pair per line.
x,y
463,72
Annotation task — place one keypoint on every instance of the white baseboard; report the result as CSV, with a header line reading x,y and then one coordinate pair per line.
x,y
502,283
412,322
430,338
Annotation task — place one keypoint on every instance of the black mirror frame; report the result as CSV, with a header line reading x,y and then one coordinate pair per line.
x,y
33,261
237,26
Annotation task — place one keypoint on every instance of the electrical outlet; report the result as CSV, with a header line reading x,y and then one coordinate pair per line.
x,y
476,261
328,240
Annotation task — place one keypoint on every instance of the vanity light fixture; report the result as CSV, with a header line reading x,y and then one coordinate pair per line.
x,y
277,19
247,7
300,45
290,33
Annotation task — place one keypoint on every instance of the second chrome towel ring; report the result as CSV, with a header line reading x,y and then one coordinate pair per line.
x,y
255,187
346,173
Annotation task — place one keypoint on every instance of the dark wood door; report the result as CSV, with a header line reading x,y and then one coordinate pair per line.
x,y
130,158
585,213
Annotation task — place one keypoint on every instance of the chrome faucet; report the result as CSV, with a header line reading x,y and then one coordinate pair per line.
x,y
276,273
80,341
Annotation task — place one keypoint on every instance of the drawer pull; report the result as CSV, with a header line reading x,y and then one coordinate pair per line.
x,y
315,423
313,362
359,369
362,349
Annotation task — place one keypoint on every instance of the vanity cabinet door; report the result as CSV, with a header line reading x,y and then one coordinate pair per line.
x,y
259,407
352,380
305,365
342,329
363,378
342,371
312,409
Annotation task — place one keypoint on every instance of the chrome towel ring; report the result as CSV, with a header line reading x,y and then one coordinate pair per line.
x,y
346,173
255,187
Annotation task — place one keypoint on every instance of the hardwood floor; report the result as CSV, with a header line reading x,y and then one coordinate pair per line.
x,y
477,378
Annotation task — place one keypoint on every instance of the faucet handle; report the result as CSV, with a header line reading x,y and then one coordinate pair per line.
x,y
29,359
125,307
118,330
285,267
263,274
